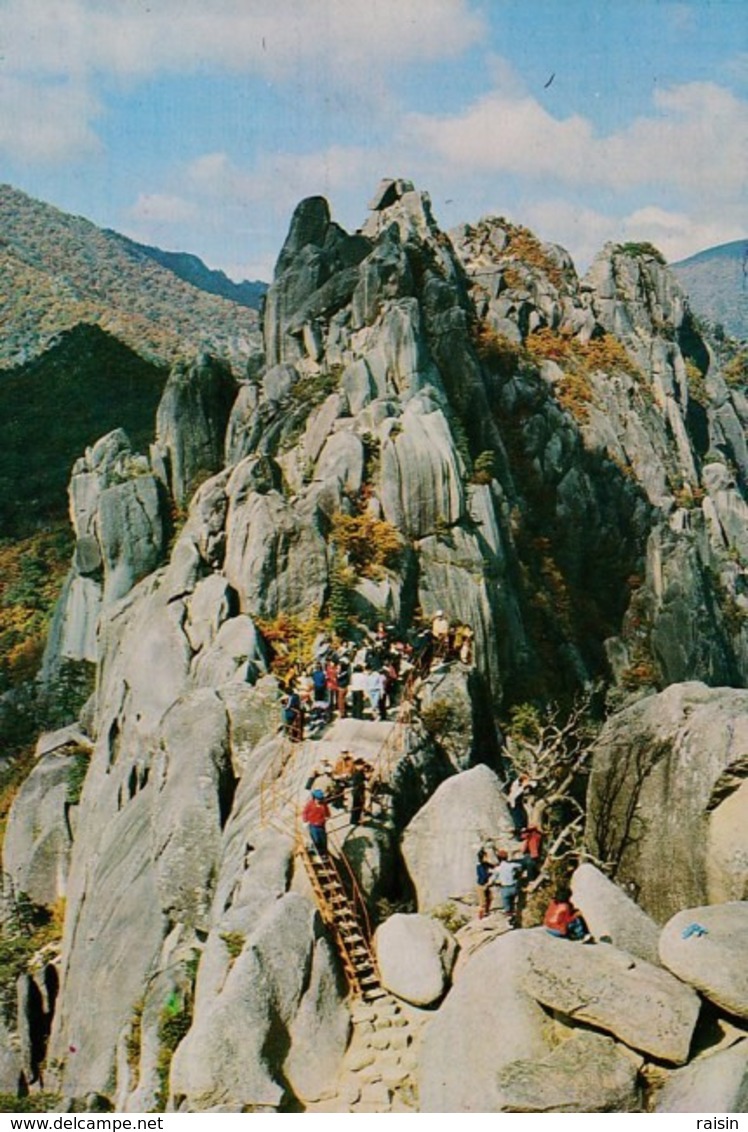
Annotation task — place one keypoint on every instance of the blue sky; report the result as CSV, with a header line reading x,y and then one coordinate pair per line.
x,y
198,124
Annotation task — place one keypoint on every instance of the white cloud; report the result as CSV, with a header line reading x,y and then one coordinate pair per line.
x,y
46,122
136,37
696,140
584,230
677,234
322,45
280,180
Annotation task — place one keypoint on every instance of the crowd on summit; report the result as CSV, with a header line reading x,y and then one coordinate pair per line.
x,y
370,677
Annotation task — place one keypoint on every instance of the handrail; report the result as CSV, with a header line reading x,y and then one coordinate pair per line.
x,y
359,904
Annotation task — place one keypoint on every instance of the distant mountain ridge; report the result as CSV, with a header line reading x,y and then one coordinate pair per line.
x,y
59,270
716,281
191,268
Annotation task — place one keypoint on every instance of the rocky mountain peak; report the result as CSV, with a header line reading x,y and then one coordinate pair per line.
x,y
436,423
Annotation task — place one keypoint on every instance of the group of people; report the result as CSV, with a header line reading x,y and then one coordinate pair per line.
x,y
348,783
514,868
366,680
507,873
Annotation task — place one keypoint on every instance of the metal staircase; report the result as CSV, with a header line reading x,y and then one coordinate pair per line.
x,y
336,892
348,924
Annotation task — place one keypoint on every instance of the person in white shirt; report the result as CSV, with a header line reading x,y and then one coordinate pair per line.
x,y
506,877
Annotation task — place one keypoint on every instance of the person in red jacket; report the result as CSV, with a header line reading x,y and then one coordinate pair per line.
x,y
562,919
532,843
315,814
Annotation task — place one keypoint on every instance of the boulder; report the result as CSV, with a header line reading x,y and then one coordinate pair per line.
x,y
456,573
585,1072
727,842
278,381
640,1004
320,1029
254,713
195,787
276,558
485,1023
208,606
372,854
76,619
341,462
712,961
660,768
114,929
441,842
415,955
236,655
610,913
713,1083
11,1073
448,699
144,653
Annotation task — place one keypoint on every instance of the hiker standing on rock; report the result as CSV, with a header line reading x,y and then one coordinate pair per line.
x,y
483,883
506,876
315,814
440,633
532,843
358,791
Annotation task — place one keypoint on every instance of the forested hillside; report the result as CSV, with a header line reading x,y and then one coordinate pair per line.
x,y
57,270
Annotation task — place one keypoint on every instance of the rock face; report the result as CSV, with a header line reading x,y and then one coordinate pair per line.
x,y
712,962
208,1071
464,1049
441,842
36,847
662,771
118,512
191,423
415,956
585,1073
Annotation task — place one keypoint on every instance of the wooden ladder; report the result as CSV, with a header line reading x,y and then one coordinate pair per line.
x,y
339,914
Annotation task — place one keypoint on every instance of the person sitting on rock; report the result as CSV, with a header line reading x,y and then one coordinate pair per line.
x,y
563,920
315,814
483,884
